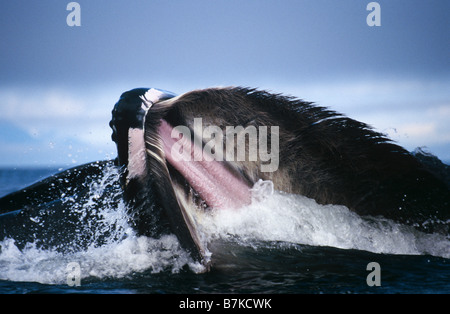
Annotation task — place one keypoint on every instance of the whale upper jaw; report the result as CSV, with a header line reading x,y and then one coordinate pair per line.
x,y
129,114
146,171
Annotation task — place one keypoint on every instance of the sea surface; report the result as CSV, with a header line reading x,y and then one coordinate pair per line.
x,y
284,244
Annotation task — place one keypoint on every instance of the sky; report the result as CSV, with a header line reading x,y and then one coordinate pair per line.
x,y
58,83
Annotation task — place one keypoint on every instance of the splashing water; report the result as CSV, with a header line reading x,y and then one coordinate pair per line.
x,y
296,219
111,249
114,260
103,244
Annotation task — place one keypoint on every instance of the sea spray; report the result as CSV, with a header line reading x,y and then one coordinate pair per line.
x,y
99,239
110,261
274,220
297,219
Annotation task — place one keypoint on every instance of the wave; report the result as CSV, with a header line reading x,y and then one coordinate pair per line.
x,y
111,248
114,260
300,220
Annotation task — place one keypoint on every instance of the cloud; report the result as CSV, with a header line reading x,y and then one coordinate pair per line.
x,y
67,126
431,127
56,125
413,113
52,109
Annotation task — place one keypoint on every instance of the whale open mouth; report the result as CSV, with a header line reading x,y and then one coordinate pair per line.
x,y
157,157
198,183
326,156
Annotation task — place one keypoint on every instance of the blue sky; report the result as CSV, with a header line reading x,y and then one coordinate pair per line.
x,y
58,83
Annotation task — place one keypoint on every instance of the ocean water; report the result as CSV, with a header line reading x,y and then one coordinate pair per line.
x,y
282,244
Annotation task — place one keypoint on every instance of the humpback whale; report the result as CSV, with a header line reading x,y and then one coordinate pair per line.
x,y
174,167
323,155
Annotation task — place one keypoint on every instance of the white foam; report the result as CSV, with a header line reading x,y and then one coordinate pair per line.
x,y
114,260
273,216
297,219
122,253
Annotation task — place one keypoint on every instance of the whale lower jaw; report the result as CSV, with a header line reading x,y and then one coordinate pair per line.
x,y
189,187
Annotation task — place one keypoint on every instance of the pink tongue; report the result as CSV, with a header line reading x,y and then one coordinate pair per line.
x,y
214,183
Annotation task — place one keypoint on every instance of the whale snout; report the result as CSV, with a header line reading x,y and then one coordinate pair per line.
x,y
129,113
